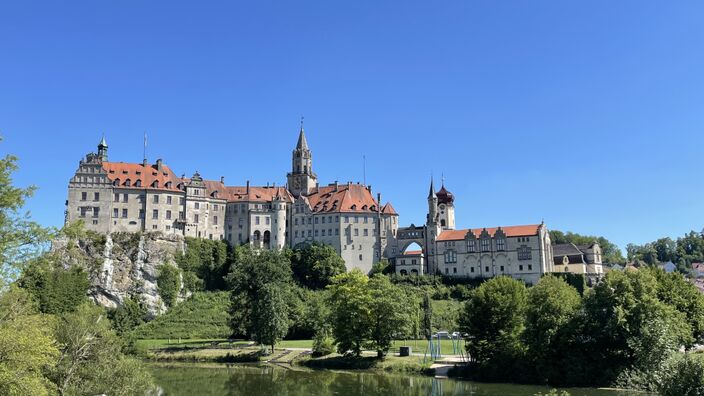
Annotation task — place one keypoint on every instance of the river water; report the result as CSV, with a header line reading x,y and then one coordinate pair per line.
x,y
268,380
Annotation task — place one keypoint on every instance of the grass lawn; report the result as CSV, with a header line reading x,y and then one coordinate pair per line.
x,y
417,346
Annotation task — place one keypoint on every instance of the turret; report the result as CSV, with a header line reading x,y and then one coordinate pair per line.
x,y
278,228
103,150
446,208
432,205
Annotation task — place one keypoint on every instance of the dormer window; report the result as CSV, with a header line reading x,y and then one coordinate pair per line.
x,y
128,182
353,207
364,207
116,182
139,172
138,183
168,184
154,173
124,172
155,184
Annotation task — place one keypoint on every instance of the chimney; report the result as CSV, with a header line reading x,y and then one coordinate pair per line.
x,y
317,187
247,186
145,163
222,179
369,187
159,165
336,186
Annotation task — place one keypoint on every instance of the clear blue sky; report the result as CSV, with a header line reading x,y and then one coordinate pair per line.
x,y
586,114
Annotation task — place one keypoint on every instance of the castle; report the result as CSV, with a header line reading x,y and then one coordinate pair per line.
x,y
143,197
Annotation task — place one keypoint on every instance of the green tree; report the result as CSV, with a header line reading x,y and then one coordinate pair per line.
x,y
251,271
315,264
57,289
389,313
168,281
270,316
351,307
683,377
690,249
642,253
493,319
91,361
130,314
551,305
427,316
208,261
20,238
625,333
611,254
27,346
676,291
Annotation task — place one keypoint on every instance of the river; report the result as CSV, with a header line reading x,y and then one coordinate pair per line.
x,y
268,380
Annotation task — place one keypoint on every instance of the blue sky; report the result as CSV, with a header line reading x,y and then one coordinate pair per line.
x,y
588,115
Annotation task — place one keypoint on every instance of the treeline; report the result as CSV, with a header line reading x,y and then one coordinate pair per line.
x,y
683,251
52,339
610,253
626,331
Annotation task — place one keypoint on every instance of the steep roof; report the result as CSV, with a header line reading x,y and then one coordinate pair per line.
x,y
444,196
388,209
343,198
510,231
120,172
302,142
256,194
573,252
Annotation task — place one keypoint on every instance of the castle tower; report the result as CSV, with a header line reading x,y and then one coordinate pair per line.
x,y
301,179
278,228
103,150
432,205
446,208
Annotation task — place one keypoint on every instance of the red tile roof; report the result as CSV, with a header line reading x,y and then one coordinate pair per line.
x,y
346,198
388,209
256,194
510,231
120,172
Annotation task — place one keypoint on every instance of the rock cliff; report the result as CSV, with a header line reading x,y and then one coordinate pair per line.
x,y
121,265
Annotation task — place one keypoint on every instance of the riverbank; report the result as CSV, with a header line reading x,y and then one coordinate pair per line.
x,y
294,353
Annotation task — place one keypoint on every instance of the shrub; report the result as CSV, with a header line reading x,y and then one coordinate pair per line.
x,y
683,377
169,283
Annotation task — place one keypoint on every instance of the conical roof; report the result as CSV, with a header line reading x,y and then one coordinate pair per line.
x,y
302,142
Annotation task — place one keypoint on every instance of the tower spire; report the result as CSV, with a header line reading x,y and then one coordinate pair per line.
x,y
431,193
302,142
103,149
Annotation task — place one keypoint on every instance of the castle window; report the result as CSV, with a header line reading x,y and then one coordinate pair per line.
x,y
360,257
442,222
182,200
310,233
141,213
356,232
316,220
168,199
524,253
486,245
196,218
322,232
117,197
530,267
347,219
502,268
454,270
450,256
197,205
84,196
215,220
471,269
295,221
182,215
310,220
447,270
124,213
155,199
256,220
168,215
138,183
486,269
520,267
115,212
323,220
128,183
316,232
337,219
366,232
366,219
471,245
501,244
266,220
155,214
356,219
125,197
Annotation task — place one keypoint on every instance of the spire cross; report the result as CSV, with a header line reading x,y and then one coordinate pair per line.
x,y
302,122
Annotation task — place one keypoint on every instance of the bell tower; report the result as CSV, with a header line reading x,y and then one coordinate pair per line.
x,y
301,179
103,150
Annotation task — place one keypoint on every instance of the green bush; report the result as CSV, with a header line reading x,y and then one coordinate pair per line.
x,y
168,281
683,377
323,344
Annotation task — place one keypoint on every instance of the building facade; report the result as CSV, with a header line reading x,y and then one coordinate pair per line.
x,y
143,197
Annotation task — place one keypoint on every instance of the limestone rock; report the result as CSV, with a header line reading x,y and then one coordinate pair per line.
x,y
121,265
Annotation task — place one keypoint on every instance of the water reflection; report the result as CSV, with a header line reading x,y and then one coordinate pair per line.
x,y
267,380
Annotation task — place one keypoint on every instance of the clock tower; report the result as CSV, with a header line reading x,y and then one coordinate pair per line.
x,y
301,179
